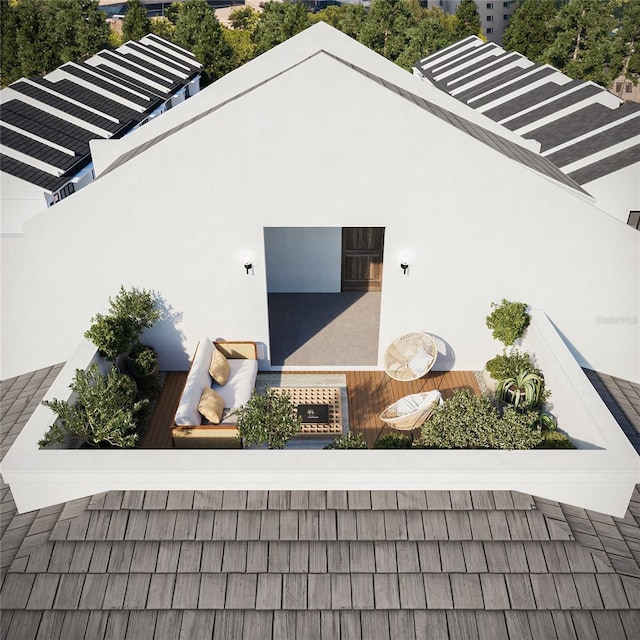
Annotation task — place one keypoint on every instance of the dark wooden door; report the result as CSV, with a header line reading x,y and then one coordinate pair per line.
x,y
362,250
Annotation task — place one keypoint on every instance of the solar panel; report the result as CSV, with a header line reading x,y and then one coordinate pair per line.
x,y
31,174
63,105
166,75
122,62
158,50
183,68
36,149
44,125
122,77
172,47
95,100
100,80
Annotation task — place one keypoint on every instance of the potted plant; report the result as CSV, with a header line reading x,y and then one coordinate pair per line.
x,y
130,313
143,361
105,411
348,441
524,391
269,419
508,321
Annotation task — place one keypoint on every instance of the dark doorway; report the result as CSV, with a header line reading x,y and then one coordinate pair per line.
x,y
362,250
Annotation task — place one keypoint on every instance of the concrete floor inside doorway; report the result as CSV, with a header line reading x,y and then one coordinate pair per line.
x,y
324,329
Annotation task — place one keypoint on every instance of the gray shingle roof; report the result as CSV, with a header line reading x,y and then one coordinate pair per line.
x,y
546,105
29,110
317,564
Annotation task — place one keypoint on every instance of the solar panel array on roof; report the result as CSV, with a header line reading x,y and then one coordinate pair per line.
x,y
111,93
65,106
553,114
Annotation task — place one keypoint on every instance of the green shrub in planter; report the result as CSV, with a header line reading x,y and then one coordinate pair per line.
x,y
105,410
508,321
393,441
524,391
348,441
269,419
508,366
144,359
555,440
467,421
130,313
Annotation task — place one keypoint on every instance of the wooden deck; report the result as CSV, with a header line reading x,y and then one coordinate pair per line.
x,y
368,392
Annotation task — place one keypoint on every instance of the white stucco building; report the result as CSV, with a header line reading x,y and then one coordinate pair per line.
x,y
317,135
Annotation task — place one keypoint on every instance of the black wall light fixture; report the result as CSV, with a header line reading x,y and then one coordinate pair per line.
x,y
405,267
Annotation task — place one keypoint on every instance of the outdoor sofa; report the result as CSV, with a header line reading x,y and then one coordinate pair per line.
x,y
191,429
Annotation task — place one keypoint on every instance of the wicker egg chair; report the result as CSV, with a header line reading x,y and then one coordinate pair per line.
x,y
410,412
410,356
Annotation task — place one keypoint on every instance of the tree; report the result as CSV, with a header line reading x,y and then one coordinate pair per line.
x,y
467,20
528,32
386,27
163,27
40,35
627,41
278,22
77,28
434,31
136,22
198,29
245,18
582,46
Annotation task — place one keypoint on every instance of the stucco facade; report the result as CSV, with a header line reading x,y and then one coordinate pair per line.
x,y
307,135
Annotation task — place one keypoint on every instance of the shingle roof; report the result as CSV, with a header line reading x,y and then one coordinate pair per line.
x,y
316,564
104,97
541,104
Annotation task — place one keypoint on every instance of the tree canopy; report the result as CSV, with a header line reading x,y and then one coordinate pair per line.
x,y
586,39
528,31
136,23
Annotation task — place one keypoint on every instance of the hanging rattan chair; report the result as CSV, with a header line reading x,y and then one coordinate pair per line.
x,y
410,356
412,411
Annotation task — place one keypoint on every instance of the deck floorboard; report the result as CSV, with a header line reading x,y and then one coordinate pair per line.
x,y
368,393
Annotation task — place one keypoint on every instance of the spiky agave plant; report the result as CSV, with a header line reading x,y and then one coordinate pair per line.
x,y
523,391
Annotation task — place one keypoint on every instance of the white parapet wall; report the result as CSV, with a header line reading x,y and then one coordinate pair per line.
x,y
600,475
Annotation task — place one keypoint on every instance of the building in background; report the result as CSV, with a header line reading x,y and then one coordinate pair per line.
x,y
47,123
494,16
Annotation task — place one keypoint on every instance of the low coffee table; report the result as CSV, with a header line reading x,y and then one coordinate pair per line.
x,y
311,401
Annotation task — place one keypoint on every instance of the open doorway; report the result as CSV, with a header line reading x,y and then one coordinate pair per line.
x,y
323,286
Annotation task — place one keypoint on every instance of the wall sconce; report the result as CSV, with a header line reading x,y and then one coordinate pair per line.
x,y
404,266
248,266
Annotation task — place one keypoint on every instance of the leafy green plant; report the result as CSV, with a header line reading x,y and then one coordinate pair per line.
x,y
509,365
269,419
547,422
467,421
524,391
508,321
349,440
393,440
130,313
144,359
105,410
555,440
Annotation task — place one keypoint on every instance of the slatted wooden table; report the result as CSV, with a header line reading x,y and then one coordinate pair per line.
x,y
329,396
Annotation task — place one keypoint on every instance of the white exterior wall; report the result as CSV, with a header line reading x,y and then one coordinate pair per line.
x,y
600,475
20,201
382,162
618,193
303,260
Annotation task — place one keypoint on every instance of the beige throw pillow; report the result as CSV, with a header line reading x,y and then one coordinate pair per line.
x,y
219,367
211,405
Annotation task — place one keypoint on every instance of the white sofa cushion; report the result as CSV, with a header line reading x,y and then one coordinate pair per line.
x,y
240,384
187,413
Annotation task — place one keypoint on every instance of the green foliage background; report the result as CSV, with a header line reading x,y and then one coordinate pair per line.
x,y
587,39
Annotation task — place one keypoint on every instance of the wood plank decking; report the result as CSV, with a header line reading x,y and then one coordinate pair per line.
x,y
368,392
